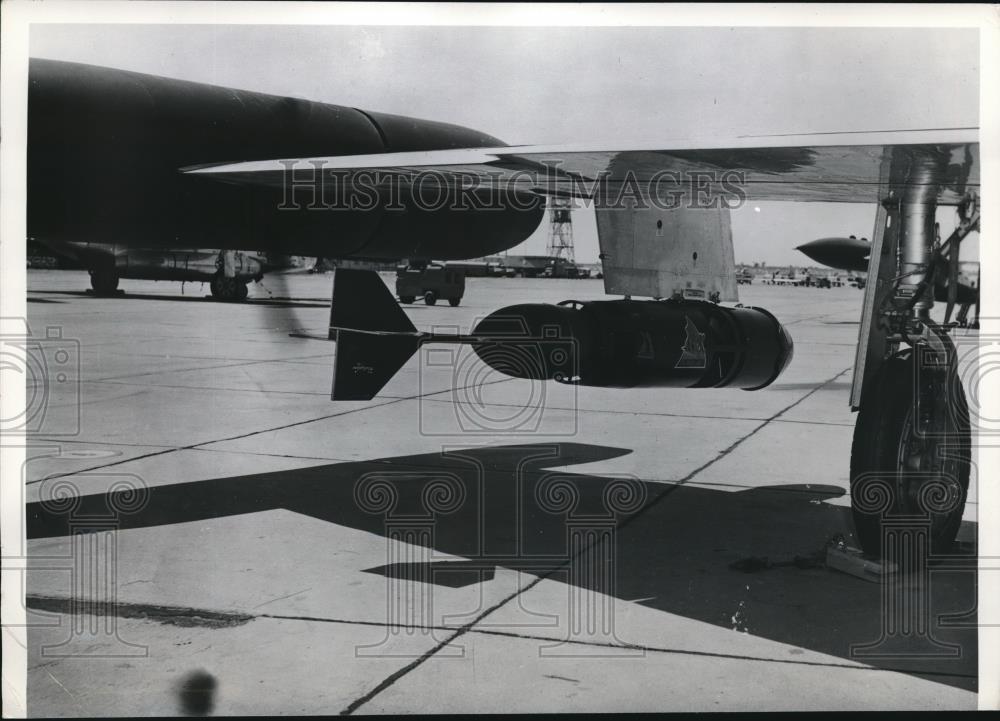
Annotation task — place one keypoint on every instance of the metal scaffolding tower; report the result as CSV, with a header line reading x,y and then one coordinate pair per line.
x,y
560,229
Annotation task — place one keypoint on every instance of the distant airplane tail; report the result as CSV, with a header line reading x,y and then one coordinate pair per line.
x,y
374,336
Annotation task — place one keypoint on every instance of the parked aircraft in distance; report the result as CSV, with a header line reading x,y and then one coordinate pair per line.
x,y
226,271
852,254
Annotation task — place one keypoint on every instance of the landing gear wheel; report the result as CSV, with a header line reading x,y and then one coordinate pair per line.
x,y
104,282
453,302
406,299
903,465
430,297
225,288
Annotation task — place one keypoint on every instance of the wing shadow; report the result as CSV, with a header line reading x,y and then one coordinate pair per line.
x,y
501,505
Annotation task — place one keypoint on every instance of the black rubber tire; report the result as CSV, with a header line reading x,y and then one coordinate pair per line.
x,y
406,299
430,297
220,288
877,450
104,282
453,302
228,289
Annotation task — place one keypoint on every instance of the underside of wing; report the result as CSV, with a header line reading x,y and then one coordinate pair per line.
x,y
825,167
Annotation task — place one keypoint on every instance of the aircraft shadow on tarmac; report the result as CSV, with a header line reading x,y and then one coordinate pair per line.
x,y
674,543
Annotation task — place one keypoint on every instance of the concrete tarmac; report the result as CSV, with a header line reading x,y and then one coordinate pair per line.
x,y
209,533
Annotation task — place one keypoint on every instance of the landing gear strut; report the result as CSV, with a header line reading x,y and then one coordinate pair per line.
x,y
225,285
910,459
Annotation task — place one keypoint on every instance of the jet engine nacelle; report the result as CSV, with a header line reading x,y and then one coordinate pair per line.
x,y
626,344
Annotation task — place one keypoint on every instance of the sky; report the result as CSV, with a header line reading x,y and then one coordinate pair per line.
x,y
566,85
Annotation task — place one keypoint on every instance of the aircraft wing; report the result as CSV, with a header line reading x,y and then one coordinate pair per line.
x,y
823,167
662,208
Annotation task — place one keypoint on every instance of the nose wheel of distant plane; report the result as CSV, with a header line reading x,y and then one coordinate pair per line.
x,y
225,288
911,453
